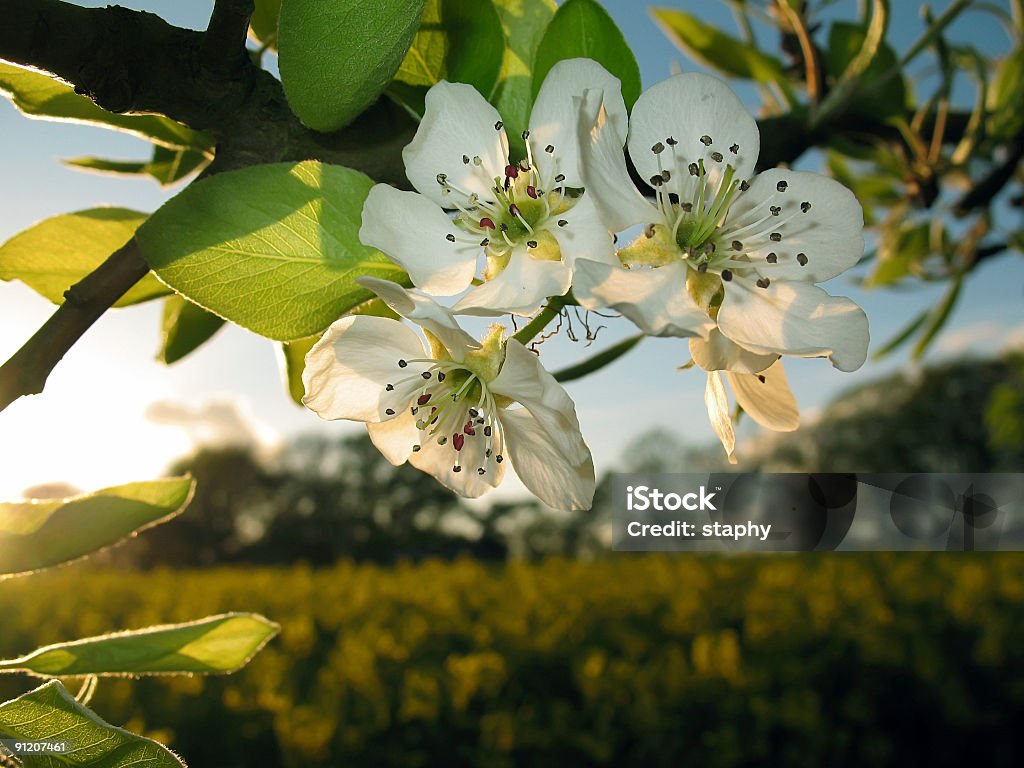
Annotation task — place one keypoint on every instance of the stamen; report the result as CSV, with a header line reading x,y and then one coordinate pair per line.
x,y
801,259
764,282
726,275
776,210
450,237
486,223
737,245
717,157
389,411
772,258
805,207
705,140
782,186
775,237
499,125
671,141
458,441
735,148
562,222
550,148
658,148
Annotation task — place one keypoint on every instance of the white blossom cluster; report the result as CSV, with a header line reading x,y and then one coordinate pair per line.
x,y
725,258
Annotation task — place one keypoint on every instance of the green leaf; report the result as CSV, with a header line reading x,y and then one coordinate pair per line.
x,y
458,40
273,248
524,22
1005,94
263,23
167,165
50,712
900,338
293,353
293,363
888,99
336,58
214,645
39,95
184,328
715,49
56,253
582,28
939,316
40,534
598,361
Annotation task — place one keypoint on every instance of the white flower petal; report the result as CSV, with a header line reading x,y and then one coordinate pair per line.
x,y
458,122
542,467
441,460
797,319
411,230
603,166
348,369
520,289
523,379
553,121
717,402
584,235
719,353
686,108
426,313
769,402
655,299
830,235
395,438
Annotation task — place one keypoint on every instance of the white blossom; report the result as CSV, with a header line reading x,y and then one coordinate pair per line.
x,y
729,261
525,221
454,407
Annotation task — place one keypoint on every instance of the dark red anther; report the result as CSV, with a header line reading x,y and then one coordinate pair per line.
x,y
468,429
532,192
458,440
511,171
423,399
514,210
486,223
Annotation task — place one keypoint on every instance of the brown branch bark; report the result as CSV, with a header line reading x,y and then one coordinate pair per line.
x,y
131,61
84,303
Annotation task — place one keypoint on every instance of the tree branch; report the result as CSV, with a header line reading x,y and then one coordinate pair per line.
x,y
26,372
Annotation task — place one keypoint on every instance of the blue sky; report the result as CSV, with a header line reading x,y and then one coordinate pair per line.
x,y
91,426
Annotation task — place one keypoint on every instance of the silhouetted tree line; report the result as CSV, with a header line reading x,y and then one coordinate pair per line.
x,y
323,499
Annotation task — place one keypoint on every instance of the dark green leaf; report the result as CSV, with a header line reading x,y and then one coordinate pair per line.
x,y
39,534
51,713
38,95
337,57
845,41
214,645
273,248
598,361
582,28
56,253
185,327
900,338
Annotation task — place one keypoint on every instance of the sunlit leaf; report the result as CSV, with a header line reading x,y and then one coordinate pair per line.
x,y
263,22
273,248
1005,95
51,713
459,41
524,22
56,253
167,165
39,95
710,46
336,58
213,645
39,534
582,28
184,328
